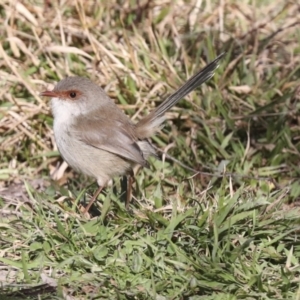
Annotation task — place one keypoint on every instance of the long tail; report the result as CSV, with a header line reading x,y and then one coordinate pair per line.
x,y
149,124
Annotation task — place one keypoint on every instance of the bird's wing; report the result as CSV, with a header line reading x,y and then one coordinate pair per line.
x,y
114,136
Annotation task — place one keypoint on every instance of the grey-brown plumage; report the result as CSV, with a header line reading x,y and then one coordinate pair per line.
x,y
95,137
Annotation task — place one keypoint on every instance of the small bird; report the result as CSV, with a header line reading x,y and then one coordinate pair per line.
x,y
95,137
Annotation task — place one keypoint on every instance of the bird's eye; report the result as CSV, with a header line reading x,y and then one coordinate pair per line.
x,y
72,94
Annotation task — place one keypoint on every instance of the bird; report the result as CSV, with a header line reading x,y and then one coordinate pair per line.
x,y
95,137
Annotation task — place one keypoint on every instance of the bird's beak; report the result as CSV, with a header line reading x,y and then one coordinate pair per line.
x,y
48,94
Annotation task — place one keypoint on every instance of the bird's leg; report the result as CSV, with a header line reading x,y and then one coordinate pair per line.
x,y
130,180
100,188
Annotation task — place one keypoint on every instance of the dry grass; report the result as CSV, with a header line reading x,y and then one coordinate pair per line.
x,y
242,128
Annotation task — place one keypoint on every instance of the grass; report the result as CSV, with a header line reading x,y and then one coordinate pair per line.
x,y
217,217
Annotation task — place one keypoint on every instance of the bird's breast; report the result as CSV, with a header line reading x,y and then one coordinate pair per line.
x,y
94,162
